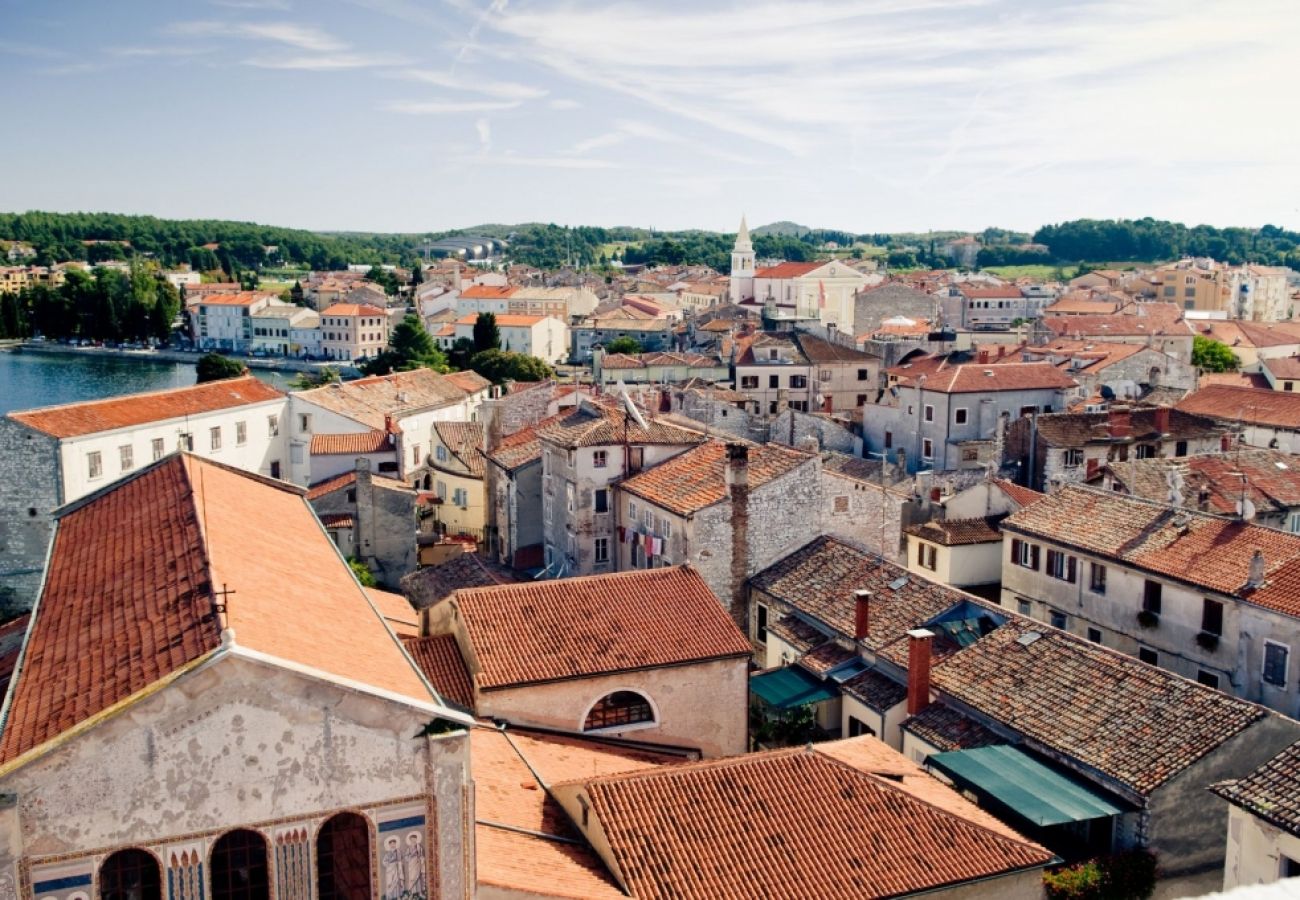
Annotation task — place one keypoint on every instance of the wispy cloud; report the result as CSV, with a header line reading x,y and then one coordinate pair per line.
x,y
325,62
563,103
31,51
280,5
445,107
292,34
536,162
156,52
506,90
484,129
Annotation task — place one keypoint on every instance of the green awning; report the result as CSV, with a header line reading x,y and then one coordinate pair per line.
x,y
789,687
1023,785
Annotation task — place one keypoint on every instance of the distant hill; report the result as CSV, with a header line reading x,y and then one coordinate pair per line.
x,y
784,229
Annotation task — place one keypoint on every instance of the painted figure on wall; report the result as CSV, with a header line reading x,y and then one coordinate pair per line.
x,y
394,875
413,863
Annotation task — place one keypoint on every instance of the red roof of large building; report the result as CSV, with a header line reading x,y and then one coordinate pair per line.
x,y
236,298
488,292
373,441
697,478
788,270
130,410
977,378
544,631
1278,409
352,309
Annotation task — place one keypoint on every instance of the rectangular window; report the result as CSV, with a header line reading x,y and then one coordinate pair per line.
x,y
1094,635
1097,578
1211,616
185,441
1180,448
889,440
960,416
1151,593
774,381
1147,451
1288,867
927,449
214,438
1061,566
602,550
929,413
1209,679
126,455
857,728
275,468
600,458
648,520
864,374
440,452
1073,459
665,528
631,511
926,556
94,464
861,400
304,423
273,426
602,500
415,455
1024,554
824,375
1275,660
1060,620
158,448
748,382
1024,607
1149,656
241,434
798,381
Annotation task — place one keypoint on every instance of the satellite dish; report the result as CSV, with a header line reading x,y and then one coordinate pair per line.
x,y
1245,509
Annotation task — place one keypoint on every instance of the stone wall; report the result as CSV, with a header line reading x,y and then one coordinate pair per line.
x,y
384,535
865,514
29,492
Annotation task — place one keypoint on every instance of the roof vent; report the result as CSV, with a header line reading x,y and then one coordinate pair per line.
x,y
898,583
1028,638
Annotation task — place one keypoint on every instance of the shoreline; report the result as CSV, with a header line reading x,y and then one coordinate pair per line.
x,y
273,364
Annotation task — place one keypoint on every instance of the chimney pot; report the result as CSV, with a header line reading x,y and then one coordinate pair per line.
x,y
918,670
1162,419
1119,422
861,615
1256,578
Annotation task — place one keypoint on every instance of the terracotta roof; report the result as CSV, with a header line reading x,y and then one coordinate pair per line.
x,y
595,425
431,584
875,689
708,829
789,269
439,659
796,632
823,352
1271,792
945,729
578,627
1135,723
853,467
335,482
959,532
661,358
696,479
352,309
238,298
1022,495
464,440
1270,479
969,378
518,449
373,441
370,400
822,659
129,595
1209,552
1276,409
1156,318
819,580
396,612
469,381
1235,379
1236,333
130,410
488,292
11,645
337,520
505,320
1079,429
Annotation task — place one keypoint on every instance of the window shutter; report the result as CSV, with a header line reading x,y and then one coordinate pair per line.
x,y
1033,556
1071,569
1015,551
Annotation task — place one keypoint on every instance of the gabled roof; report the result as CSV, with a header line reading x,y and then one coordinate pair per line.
x,y
370,400
464,440
505,320
1156,319
373,441
131,410
347,479
972,378
438,657
1022,495
146,575
1135,723
597,425
1079,429
1209,552
546,631
818,351
1286,368
432,584
946,729
1269,478
235,298
852,818
488,292
518,449
352,309
959,532
1275,409
1271,792
789,269
696,479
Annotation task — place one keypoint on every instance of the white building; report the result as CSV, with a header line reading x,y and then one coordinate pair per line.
x,y
225,321
58,454
1264,823
280,330
545,337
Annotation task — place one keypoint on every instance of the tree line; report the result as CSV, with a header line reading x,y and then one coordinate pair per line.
x,y
104,305
1101,240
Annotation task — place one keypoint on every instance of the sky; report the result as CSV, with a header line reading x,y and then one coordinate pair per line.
x,y
865,115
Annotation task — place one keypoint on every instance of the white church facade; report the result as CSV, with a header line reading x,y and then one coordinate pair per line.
x,y
823,290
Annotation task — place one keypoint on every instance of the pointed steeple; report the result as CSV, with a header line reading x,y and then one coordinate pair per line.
x,y
742,237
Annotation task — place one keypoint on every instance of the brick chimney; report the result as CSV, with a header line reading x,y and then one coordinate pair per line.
x,y
737,477
1119,422
1162,419
983,357
861,615
918,670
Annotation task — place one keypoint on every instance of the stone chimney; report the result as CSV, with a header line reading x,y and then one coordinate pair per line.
x,y
1162,419
1119,422
918,670
737,477
1255,579
861,615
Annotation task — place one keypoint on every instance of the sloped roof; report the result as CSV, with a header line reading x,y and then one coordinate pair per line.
x,y
708,829
959,532
697,478
1271,792
596,425
819,351
431,584
352,309
969,378
1078,429
1276,409
1209,552
464,440
1271,479
944,728
135,576
1135,723
1023,496
518,449
1156,319
439,659
578,627
789,269
130,410
369,400
373,441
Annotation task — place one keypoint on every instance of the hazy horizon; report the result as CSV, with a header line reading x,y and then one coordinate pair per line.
x,y
886,116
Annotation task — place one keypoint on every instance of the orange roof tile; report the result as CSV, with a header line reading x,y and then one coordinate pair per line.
x,y
352,309
239,298
788,269
439,659
373,441
579,627
400,616
505,320
488,292
130,410
973,377
130,595
697,478
1277,409
1017,492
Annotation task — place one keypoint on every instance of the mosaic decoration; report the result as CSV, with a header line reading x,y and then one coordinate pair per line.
x,y
65,881
293,868
403,866
185,876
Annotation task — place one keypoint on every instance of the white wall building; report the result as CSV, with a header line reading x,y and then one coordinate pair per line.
x,y
545,337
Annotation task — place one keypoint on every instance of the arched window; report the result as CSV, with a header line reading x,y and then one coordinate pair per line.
x,y
343,858
239,867
130,875
617,709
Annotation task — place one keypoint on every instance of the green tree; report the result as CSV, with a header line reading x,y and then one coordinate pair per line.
x,y
623,345
166,307
296,294
384,278
1210,355
363,573
305,381
504,365
410,347
486,334
215,367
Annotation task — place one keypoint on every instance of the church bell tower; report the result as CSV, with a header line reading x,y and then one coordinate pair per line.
x,y
742,266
